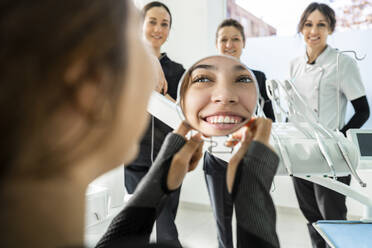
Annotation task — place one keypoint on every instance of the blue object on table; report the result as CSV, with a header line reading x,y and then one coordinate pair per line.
x,y
345,234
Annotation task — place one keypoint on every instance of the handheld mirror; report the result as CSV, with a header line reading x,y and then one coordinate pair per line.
x,y
217,95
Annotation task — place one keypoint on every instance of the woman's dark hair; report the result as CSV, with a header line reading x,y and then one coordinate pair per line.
x,y
151,5
41,40
327,11
231,23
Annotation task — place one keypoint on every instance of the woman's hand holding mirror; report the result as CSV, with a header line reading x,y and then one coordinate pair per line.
x,y
186,159
258,129
218,96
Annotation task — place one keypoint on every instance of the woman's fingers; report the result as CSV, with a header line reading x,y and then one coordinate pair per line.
x,y
162,87
161,82
232,142
237,136
165,87
261,129
196,157
191,146
237,157
185,160
182,129
258,130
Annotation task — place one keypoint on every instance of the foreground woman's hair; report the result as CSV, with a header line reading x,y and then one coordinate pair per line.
x,y
41,41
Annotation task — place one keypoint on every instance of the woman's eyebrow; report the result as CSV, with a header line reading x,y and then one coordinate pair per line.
x,y
204,66
239,68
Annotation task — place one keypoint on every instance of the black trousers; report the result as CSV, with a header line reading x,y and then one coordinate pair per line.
x,y
320,203
166,230
221,201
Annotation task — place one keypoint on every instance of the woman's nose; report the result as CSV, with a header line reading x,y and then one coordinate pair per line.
x,y
157,28
229,44
224,96
313,29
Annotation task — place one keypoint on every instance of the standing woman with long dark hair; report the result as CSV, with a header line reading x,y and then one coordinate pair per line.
x,y
317,80
156,26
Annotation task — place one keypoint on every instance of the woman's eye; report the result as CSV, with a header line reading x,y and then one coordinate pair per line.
x,y
165,25
201,79
244,79
153,22
308,25
322,25
236,39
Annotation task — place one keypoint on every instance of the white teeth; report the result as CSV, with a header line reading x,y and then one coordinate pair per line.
x,y
223,119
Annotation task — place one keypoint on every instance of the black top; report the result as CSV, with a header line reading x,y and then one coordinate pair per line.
x,y
173,73
261,81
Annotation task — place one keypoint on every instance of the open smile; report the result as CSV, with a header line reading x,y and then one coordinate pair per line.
x,y
230,51
314,38
157,37
224,121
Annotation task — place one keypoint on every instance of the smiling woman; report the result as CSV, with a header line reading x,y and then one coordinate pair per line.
x,y
327,80
230,38
157,22
218,95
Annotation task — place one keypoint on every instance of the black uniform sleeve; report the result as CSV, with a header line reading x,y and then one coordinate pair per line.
x,y
360,116
135,222
268,107
254,207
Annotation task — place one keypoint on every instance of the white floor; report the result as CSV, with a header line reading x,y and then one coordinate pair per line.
x,y
197,228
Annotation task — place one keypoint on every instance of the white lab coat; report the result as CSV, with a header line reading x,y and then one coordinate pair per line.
x,y
318,84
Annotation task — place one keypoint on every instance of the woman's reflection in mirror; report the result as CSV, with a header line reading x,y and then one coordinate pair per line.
x,y
218,95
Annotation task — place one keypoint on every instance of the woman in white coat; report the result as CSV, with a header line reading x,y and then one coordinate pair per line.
x,y
327,80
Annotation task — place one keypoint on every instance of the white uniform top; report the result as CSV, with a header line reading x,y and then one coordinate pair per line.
x,y
318,84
